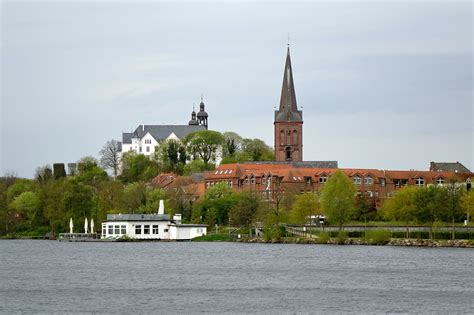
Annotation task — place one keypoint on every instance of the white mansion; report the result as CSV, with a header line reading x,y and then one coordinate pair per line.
x,y
146,137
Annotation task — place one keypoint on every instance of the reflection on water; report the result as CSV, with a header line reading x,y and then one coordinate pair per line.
x,y
50,276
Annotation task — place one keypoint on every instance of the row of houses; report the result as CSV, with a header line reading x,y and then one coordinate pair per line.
x,y
271,179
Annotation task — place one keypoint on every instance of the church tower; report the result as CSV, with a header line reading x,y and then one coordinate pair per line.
x,y
288,121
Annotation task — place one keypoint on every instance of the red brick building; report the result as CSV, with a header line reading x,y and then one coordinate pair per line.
x,y
270,180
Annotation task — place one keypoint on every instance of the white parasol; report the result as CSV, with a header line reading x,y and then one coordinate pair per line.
x,y
85,226
71,226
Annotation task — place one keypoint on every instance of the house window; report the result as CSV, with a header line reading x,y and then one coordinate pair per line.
x,y
229,183
111,229
166,230
155,229
146,229
147,149
140,149
264,180
282,137
368,180
117,229
357,180
252,180
130,149
104,230
246,181
369,193
138,229
295,137
288,137
420,181
382,182
323,179
269,180
308,180
440,181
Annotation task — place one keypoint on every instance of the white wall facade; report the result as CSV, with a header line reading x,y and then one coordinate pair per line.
x,y
151,230
145,230
184,232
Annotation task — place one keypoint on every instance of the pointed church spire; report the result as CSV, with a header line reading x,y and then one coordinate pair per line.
x,y
288,110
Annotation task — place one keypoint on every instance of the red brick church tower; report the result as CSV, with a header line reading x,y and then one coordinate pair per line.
x,y
288,121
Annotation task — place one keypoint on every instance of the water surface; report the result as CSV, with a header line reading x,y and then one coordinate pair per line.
x,y
51,276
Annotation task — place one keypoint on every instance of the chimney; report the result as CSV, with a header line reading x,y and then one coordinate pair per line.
x,y
143,127
177,218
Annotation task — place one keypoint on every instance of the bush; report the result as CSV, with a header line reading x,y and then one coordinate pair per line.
x,y
342,237
324,237
377,237
213,238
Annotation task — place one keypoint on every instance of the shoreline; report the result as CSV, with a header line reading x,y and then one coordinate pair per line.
x,y
411,242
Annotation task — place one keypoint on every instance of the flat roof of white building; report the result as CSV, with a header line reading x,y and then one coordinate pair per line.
x,y
138,217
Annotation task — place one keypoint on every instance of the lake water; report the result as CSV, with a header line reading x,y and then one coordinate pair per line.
x,y
51,276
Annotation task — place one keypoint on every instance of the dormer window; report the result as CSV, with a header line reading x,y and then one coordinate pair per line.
x,y
357,180
368,180
440,181
264,180
323,179
252,180
420,181
246,181
308,180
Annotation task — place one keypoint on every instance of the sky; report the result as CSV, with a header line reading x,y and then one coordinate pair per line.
x,y
382,84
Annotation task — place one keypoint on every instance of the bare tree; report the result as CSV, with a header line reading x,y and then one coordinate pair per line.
x,y
110,156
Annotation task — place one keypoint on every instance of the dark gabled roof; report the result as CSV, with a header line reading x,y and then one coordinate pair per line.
x,y
160,132
288,110
455,167
127,137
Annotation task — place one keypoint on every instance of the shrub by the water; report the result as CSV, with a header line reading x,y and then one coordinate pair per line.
x,y
213,238
342,237
378,237
324,237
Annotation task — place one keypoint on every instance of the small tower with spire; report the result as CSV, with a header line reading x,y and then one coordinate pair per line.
x,y
202,116
193,121
288,120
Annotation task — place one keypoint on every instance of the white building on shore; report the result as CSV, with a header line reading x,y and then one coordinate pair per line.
x,y
150,227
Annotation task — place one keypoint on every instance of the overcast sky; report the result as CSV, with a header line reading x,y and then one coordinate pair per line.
x,y
384,85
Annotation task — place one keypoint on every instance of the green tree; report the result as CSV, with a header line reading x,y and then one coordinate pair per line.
x,y
215,206
110,197
137,167
133,197
86,163
450,197
27,204
245,208
171,155
428,205
43,174
152,201
80,202
401,207
467,203
204,144
305,206
232,144
197,166
54,209
257,150
337,198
